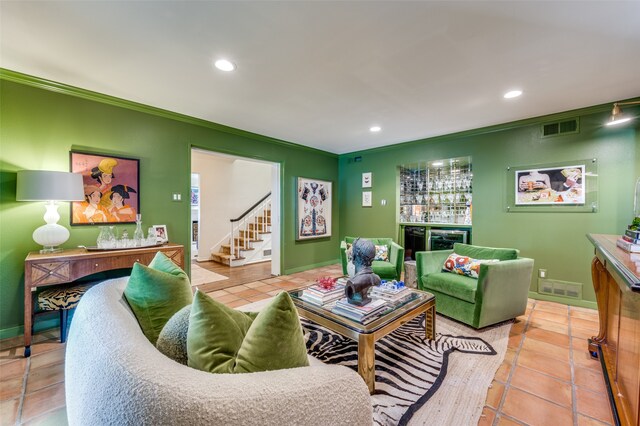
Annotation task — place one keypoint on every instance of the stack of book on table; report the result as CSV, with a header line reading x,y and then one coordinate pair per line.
x,y
364,313
394,293
630,241
317,295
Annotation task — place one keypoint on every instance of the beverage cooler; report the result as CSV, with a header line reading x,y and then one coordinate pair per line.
x,y
444,239
414,240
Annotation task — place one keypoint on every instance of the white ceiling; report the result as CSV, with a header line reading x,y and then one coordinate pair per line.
x,y
321,73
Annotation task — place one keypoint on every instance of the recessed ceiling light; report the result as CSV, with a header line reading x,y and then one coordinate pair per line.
x,y
224,65
512,94
375,128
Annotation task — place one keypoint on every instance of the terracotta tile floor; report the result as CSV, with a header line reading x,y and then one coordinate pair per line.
x,y
547,377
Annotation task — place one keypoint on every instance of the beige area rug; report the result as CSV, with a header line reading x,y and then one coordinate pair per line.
x,y
199,276
463,392
451,391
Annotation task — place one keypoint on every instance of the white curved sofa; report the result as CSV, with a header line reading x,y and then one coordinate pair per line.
x,y
114,375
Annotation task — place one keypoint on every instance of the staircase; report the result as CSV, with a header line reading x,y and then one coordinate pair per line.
x,y
250,238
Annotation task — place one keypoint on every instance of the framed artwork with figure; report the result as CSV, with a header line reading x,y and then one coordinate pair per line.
x,y
111,189
313,209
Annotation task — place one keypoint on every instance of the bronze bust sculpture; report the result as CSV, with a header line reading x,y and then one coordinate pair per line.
x,y
358,286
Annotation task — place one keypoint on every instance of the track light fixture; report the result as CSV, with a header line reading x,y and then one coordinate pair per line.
x,y
617,116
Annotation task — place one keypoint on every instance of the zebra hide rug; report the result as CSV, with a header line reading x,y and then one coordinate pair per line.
x,y
409,368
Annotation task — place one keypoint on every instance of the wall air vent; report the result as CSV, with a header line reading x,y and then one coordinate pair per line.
x,y
560,128
266,252
560,288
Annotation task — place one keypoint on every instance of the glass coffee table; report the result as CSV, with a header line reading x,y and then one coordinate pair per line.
x,y
367,334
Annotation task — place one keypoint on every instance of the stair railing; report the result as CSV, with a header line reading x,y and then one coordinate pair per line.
x,y
240,225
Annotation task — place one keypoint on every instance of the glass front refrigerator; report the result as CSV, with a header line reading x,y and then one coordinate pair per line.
x,y
444,239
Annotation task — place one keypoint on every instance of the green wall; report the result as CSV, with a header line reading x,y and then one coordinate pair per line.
x,y
555,240
41,121
38,128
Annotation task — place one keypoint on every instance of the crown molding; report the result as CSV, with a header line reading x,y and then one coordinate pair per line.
x,y
53,86
542,119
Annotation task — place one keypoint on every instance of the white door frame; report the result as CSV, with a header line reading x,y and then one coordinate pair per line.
x,y
276,194
275,219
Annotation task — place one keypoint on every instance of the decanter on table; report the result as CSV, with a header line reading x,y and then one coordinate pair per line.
x,y
138,235
106,238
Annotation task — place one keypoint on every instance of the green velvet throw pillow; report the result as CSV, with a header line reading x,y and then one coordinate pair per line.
x,y
156,292
223,340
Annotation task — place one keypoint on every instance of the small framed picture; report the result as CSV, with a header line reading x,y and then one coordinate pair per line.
x,y
161,233
366,198
366,180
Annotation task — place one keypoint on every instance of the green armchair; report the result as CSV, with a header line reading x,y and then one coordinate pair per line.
x,y
499,293
386,270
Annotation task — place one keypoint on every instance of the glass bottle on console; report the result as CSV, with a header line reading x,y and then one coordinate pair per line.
x,y
138,235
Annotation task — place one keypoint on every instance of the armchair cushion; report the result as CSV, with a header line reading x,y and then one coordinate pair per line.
x,y
385,270
458,286
479,252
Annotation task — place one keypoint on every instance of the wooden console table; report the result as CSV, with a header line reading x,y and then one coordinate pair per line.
x,y
70,265
616,280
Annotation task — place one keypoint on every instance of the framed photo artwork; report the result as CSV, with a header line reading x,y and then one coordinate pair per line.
x,y
313,209
161,233
111,189
366,199
366,180
550,186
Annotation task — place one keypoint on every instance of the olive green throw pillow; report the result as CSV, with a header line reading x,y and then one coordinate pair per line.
x,y
223,340
156,292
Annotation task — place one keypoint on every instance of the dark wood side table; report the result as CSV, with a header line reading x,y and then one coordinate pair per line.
x,y
616,280
70,265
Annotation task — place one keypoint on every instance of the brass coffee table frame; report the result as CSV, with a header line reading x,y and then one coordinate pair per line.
x,y
367,335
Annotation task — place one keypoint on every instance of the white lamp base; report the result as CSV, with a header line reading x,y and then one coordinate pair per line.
x,y
51,235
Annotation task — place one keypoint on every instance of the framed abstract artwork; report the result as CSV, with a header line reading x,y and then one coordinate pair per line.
x,y
366,180
366,199
313,209
111,189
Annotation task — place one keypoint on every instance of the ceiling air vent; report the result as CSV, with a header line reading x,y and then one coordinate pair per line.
x,y
560,128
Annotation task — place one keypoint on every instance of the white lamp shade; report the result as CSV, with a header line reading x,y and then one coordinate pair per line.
x,y
45,185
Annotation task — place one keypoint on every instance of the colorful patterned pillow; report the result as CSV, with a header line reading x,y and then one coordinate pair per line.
x,y
349,252
382,253
464,265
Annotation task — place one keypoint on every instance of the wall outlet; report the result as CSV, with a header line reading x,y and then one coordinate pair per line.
x,y
542,273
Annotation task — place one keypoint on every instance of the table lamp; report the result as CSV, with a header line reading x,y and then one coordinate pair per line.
x,y
49,186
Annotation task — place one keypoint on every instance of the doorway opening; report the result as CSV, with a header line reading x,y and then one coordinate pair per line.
x,y
235,219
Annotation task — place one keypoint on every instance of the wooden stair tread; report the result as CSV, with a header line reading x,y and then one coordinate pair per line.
x,y
221,255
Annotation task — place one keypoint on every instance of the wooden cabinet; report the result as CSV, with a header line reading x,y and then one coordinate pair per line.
x,y
70,265
616,280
